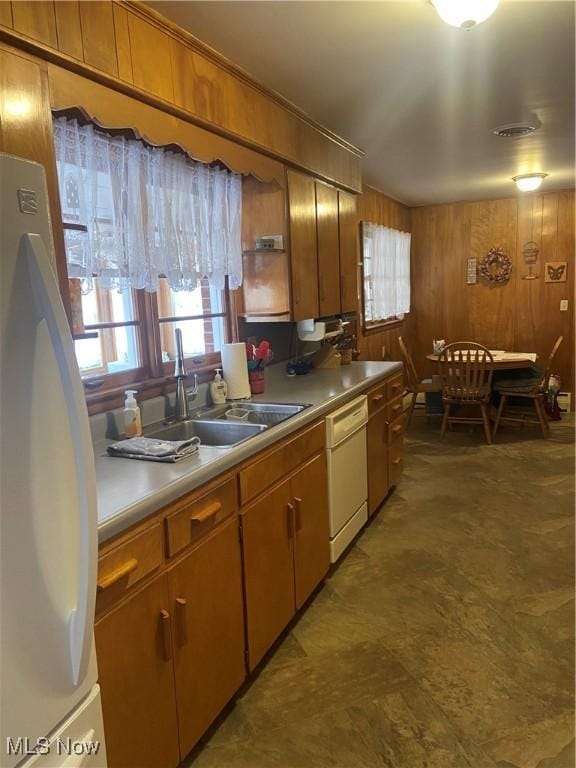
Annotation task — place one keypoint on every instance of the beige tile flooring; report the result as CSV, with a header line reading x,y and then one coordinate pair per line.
x,y
444,639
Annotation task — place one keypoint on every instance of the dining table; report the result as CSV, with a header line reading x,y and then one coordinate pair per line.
x,y
503,361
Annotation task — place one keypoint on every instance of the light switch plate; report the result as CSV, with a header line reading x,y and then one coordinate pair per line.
x,y
563,305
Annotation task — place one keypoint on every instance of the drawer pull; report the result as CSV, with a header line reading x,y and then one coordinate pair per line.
x,y
120,573
397,385
377,398
210,510
290,508
396,461
166,638
396,430
182,619
397,407
298,504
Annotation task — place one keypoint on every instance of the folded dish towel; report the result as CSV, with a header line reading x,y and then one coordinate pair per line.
x,y
150,449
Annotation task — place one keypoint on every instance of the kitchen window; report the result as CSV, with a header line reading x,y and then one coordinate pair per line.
x,y
153,243
386,274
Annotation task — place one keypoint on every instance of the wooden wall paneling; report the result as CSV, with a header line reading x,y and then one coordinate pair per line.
x,y
69,29
115,109
562,322
151,62
328,250
98,36
123,50
36,20
6,14
530,293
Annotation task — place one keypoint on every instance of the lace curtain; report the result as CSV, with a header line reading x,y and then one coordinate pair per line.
x,y
386,256
135,213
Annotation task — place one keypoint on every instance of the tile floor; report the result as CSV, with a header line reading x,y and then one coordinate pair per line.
x,y
444,639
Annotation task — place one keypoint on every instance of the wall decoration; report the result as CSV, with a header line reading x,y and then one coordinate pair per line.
x,y
472,271
556,272
530,253
496,267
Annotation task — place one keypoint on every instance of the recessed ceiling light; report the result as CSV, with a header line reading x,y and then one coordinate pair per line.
x,y
465,13
514,130
528,182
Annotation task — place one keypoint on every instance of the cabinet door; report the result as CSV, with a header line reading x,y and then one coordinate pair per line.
x,y
134,652
328,249
206,600
303,249
377,450
349,251
312,532
267,533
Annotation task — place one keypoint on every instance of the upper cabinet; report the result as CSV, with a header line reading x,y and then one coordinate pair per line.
x,y
314,274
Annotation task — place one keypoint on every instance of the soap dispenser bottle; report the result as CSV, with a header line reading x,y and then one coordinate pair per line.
x,y
218,388
132,418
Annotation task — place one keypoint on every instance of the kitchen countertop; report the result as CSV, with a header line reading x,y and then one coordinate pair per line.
x,y
130,490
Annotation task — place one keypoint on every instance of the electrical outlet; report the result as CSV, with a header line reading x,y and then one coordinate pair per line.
x,y
563,305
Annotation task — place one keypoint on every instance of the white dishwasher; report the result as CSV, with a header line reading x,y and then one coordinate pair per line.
x,y
347,479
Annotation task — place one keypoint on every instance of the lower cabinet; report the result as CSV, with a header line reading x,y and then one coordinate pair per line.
x,y
377,455
171,656
286,553
208,632
134,650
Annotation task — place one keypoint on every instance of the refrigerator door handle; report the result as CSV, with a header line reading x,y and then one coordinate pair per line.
x,y
49,303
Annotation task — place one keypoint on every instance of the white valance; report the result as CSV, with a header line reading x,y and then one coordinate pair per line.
x,y
146,211
386,257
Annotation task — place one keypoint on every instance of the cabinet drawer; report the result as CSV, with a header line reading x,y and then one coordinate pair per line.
x,y
395,386
377,397
279,462
396,428
194,517
395,461
127,564
394,409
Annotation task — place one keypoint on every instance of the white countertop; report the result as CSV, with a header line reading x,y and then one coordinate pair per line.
x,y
130,490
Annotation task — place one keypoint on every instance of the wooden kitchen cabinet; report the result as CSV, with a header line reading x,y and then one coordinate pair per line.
x,y
208,631
328,249
377,453
311,529
135,671
349,251
303,245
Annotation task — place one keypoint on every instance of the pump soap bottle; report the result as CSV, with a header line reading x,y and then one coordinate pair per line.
x,y
132,418
218,388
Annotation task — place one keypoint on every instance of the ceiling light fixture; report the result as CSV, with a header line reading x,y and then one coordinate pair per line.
x,y
465,13
529,182
514,130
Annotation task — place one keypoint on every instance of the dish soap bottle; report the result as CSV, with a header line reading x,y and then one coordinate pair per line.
x,y
218,388
132,418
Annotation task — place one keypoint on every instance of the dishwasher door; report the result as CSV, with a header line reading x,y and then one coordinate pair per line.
x,y
347,480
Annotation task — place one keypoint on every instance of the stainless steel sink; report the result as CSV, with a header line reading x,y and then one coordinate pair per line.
x,y
267,414
217,434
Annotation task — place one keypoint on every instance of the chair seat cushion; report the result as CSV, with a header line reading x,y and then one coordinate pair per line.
x,y
524,386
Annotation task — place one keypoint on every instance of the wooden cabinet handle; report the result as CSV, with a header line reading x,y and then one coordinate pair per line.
x,y
210,510
397,385
397,429
120,573
377,398
166,635
182,619
298,505
396,461
290,508
397,407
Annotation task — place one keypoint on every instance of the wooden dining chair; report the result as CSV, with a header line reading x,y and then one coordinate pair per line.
x,y
533,391
466,370
414,385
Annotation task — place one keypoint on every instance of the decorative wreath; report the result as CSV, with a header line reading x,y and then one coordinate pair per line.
x,y
496,267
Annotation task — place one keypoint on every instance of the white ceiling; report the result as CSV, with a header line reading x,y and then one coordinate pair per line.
x,y
419,97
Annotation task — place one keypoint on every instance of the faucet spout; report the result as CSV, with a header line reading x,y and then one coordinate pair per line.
x,y
181,406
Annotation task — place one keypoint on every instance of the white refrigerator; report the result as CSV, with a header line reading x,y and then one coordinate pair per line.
x,y
50,711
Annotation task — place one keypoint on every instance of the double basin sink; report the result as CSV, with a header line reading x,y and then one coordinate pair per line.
x,y
214,429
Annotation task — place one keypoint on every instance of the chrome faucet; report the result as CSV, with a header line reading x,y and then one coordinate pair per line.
x,y
181,407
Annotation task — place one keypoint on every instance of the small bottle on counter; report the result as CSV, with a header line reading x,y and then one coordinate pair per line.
x,y
218,388
132,417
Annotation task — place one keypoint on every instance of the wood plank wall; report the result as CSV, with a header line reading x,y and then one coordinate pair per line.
x,y
376,207
130,47
523,315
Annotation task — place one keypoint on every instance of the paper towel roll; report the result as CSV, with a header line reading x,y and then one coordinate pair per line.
x,y
235,370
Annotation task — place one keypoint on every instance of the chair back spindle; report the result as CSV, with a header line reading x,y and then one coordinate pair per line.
x,y
411,372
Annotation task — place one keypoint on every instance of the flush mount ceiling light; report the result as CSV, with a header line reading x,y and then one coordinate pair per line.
x,y
465,13
514,130
529,182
